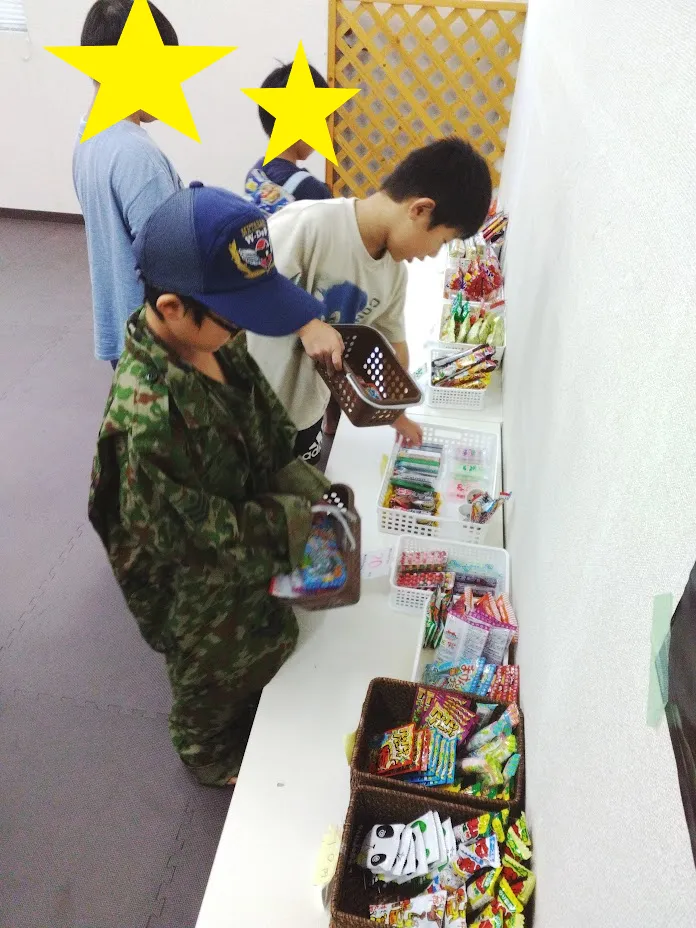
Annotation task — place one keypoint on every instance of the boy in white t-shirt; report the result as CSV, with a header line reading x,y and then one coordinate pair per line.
x,y
350,254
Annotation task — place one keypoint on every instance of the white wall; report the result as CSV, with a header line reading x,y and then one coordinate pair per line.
x,y
43,99
600,441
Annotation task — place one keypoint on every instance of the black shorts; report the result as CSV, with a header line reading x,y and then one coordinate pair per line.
x,y
308,443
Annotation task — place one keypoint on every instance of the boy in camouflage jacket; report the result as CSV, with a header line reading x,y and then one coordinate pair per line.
x,y
196,493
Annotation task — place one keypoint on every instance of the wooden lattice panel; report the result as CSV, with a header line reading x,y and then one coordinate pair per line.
x,y
425,71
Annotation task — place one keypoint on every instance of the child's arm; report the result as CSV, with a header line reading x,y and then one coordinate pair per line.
x,y
391,325
294,249
168,510
140,184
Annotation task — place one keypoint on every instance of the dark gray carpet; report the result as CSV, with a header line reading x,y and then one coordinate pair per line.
x,y
100,825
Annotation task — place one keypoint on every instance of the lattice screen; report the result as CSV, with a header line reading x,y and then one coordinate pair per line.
x,y
425,71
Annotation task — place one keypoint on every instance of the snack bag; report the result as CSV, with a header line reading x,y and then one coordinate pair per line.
x,y
323,567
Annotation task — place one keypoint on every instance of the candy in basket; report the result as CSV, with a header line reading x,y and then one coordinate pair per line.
x,y
329,574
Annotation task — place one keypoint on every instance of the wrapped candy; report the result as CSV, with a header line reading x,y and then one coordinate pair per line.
x,y
481,892
322,567
497,335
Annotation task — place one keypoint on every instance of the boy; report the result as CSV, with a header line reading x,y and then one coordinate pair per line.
x,y
272,186
196,493
120,176
350,254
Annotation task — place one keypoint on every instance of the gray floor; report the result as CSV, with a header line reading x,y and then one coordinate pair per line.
x,y
100,825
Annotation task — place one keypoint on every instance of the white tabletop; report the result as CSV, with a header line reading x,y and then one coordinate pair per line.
x,y
294,782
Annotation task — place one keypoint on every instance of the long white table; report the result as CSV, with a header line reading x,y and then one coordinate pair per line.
x,y
294,782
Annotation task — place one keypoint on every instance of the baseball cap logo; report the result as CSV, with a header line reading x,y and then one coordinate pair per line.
x,y
251,250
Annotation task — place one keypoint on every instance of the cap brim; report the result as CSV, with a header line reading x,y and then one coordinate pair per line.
x,y
274,306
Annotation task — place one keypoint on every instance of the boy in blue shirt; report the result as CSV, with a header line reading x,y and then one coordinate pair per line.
x,y
272,186
120,177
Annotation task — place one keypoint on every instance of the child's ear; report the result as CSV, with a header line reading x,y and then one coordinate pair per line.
x,y
170,307
421,208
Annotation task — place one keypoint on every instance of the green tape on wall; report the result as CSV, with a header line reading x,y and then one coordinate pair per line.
x,y
658,689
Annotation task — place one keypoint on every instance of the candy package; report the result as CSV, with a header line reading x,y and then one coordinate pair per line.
x,y
322,567
428,908
423,561
369,389
478,278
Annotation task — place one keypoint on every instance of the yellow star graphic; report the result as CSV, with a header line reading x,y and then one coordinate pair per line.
x,y
300,110
140,73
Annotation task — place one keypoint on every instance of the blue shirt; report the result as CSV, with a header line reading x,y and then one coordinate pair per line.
x,y
120,177
287,184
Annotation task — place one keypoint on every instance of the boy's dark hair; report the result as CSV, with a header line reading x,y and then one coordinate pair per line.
x,y
279,78
454,175
197,310
105,21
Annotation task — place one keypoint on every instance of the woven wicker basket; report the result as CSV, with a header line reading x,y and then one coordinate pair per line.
x,y
370,356
389,704
341,496
351,895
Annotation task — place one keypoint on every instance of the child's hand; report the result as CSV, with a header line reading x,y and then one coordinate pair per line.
x,y
409,430
322,343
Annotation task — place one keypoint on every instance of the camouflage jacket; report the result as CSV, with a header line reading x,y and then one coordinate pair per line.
x,y
195,482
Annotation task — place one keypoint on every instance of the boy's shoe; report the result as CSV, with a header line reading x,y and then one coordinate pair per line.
x,y
331,419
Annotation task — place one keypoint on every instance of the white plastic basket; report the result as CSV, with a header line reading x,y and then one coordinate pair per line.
x,y
404,599
451,397
448,521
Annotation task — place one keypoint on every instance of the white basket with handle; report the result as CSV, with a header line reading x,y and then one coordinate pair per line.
x,y
405,599
448,522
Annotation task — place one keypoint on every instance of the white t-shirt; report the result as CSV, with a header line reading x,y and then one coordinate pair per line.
x,y
317,244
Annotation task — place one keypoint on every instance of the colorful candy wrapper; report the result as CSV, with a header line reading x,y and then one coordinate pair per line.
x,y
517,847
482,890
379,913
380,848
507,898
455,909
494,908
441,719
505,725
397,751
521,880
450,880
485,848
488,672
511,767
474,829
465,866
322,566
422,702
489,605
507,613
499,749
484,713
485,769
496,921
498,824
506,684
424,560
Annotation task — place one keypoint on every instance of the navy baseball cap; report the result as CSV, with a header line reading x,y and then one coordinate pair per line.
x,y
211,245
